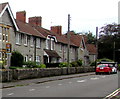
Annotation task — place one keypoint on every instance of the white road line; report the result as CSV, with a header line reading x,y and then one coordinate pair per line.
x,y
69,82
31,89
10,94
112,94
47,86
102,76
95,78
81,81
59,84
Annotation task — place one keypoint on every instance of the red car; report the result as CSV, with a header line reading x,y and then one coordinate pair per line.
x,y
103,68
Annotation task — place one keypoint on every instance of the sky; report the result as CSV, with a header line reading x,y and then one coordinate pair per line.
x,y
85,15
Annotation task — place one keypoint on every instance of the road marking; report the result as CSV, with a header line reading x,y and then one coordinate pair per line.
x,y
31,89
59,84
95,78
102,76
47,86
10,94
113,94
81,80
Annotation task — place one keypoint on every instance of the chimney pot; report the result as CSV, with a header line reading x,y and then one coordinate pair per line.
x,y
21,16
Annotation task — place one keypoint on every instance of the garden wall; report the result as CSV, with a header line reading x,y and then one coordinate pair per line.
x,y
19,74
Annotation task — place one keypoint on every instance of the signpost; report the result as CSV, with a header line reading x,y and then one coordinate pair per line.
x,y
8,52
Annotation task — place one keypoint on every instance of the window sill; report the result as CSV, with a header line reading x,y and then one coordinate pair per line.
x,y
25,45
18,44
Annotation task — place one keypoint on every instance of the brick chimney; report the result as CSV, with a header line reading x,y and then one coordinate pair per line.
x,y
35,21
57,29
21,16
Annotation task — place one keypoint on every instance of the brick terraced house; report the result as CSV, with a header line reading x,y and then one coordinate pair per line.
x,y
38,44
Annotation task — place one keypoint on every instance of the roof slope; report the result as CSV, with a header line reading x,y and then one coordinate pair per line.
x,y
91,48
2,6
28,29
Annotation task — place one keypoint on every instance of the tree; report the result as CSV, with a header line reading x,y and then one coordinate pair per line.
x,y
90,38
110,29
17,59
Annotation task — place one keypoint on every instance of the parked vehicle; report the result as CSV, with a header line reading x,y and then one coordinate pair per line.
x,y
106,67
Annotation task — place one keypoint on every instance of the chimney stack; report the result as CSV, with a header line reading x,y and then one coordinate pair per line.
x,y
21,16
35,21
57,29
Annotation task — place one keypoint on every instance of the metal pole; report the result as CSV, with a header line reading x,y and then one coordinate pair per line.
x,y
114,50
68,37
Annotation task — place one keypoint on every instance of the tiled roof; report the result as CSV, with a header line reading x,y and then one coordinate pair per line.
x,y
91,48
60,38
28,29
75,38
2,6
52,53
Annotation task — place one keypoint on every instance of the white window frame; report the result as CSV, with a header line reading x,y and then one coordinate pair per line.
x,y
0,55
18,38
38,58
25,40
26,58
38,43
0,36
52,44
31,41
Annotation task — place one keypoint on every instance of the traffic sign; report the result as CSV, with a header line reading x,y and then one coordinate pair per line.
x,y
8,47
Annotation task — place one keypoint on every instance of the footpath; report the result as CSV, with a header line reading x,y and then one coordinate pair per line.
x,y
41,80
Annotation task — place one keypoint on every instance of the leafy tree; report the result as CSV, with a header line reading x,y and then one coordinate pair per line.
x,y
17,59
110,29
90,38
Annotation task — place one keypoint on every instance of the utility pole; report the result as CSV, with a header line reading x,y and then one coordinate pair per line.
x,y
96,44
68,38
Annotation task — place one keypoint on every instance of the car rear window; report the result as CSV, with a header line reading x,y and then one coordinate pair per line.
x,y
101,65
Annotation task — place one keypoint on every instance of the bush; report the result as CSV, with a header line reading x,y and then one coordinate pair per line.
x,y
74,64
79,62
17,59
119,67
41,66
93,63
30,64
64,64
105,60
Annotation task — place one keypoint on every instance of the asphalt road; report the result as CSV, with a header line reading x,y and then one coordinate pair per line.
x,y
86,86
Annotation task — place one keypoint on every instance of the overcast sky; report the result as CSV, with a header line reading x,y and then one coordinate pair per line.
x,y
85,14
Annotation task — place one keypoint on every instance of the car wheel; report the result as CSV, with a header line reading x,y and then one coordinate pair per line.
x,y
96,73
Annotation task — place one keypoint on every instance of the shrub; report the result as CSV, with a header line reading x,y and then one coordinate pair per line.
x,y
105,60
30,64
79,62
74,64
119,67
93,63
17,59
64,64
41,66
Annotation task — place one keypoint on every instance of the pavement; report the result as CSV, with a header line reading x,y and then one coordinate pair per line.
x,y
41,80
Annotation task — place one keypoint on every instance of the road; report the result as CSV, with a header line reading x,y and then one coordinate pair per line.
x,y
86,86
